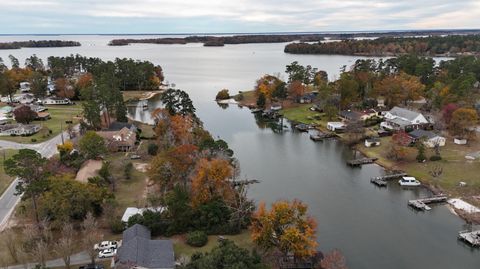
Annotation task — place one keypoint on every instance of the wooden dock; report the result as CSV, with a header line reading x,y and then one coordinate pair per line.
x,y
390,176
471,237
362,161
422,204
379,182
236,183
322,136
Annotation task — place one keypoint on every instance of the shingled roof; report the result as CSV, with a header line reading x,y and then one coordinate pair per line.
x,y
404,113
138,248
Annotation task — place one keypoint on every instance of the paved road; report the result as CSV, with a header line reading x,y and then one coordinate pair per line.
x,y
76,259
8,200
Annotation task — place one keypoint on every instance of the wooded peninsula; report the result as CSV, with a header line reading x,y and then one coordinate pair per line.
x,y
38,44
452,45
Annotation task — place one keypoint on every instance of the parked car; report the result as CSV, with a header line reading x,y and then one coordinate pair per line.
x,y
107,253
383,133
91,266
106,245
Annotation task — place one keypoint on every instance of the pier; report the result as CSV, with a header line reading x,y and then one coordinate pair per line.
x,y
422,204
379,182
362,161
390,176
237,183
471,237
322,136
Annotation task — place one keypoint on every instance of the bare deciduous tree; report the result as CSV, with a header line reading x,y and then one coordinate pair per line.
x,y
64,247
11,244
91,236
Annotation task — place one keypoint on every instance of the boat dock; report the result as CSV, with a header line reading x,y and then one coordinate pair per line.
x,y
322,136
471,237
390,176
422,204
362,161
237,183
379,182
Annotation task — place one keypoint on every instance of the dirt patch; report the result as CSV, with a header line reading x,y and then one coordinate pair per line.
x,y
142,167
89,169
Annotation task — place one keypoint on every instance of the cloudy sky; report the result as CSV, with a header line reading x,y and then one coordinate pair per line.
x,y
217,16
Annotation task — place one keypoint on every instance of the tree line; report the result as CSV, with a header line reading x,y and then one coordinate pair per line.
x,y
451,45
38,44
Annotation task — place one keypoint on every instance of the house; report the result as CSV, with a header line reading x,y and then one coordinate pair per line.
x,y
19,129
24,86
117,126
353,115
431,138
460,141
38,108
25,98
307,98
138,250
123,140
335,126
54,100
43,116
403,119
276,107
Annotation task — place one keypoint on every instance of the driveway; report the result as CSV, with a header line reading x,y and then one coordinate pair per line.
x,y
75,259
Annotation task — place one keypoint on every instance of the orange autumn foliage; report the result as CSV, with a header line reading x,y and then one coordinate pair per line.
x,y
210,180
286,227
85,80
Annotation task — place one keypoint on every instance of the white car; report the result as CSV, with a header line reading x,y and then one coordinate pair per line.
x,y
106,245
107,253
409,182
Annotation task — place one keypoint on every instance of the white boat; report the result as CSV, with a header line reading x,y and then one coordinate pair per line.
x,y
409,182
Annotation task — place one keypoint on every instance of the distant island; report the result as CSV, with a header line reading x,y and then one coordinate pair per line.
x,y
451,45
222,40
38,44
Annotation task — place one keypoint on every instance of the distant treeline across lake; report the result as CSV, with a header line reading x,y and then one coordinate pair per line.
x,y
38,44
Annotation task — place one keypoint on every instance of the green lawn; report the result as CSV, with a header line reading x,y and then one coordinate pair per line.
x,y
302,113
5,180
59,114
455,167
182,249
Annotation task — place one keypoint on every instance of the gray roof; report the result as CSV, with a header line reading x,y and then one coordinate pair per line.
x,y
404,113
419,133
137,248
400,122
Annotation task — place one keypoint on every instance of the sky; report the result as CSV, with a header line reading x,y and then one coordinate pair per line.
x,y
232,16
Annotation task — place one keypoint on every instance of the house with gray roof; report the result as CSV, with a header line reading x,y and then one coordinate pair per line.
x,y
403,119
138,250
430,139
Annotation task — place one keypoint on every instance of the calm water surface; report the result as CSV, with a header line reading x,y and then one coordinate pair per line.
x,y
373,227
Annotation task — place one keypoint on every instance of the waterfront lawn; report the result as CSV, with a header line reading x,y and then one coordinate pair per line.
x,y
249,97
59,114
301,113
182,249
136,95
5,180
455,167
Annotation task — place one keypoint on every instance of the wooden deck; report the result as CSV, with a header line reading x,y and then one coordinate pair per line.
x,y
378,182
471,237
422,204
362,161
322,136
391,176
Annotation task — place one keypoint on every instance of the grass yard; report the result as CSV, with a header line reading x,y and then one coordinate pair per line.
x,y
136,95
455,167
302,113
59,114
5,180
182,249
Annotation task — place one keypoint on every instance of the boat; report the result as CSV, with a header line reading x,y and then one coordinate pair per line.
x,y
409,182
256,110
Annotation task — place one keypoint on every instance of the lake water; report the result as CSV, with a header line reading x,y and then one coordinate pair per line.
x,y
373,227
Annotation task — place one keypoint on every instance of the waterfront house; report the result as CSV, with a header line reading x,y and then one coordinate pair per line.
x,y
336,126
372,142
19,129
25,98
430,138
353,115
122,140
138,250
403,119
54,100
307,98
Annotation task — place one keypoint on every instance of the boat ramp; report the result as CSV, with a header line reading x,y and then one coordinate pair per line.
x,y
422,204
471,237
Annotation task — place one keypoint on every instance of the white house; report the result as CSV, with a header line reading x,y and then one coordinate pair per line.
x,y
19,129
335,126
24,86
431,138
400,119
56,101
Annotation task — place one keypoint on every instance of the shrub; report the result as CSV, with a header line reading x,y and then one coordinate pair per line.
x,y
222,95
197,238
435,158
33,140
117,226
128,170
152,149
